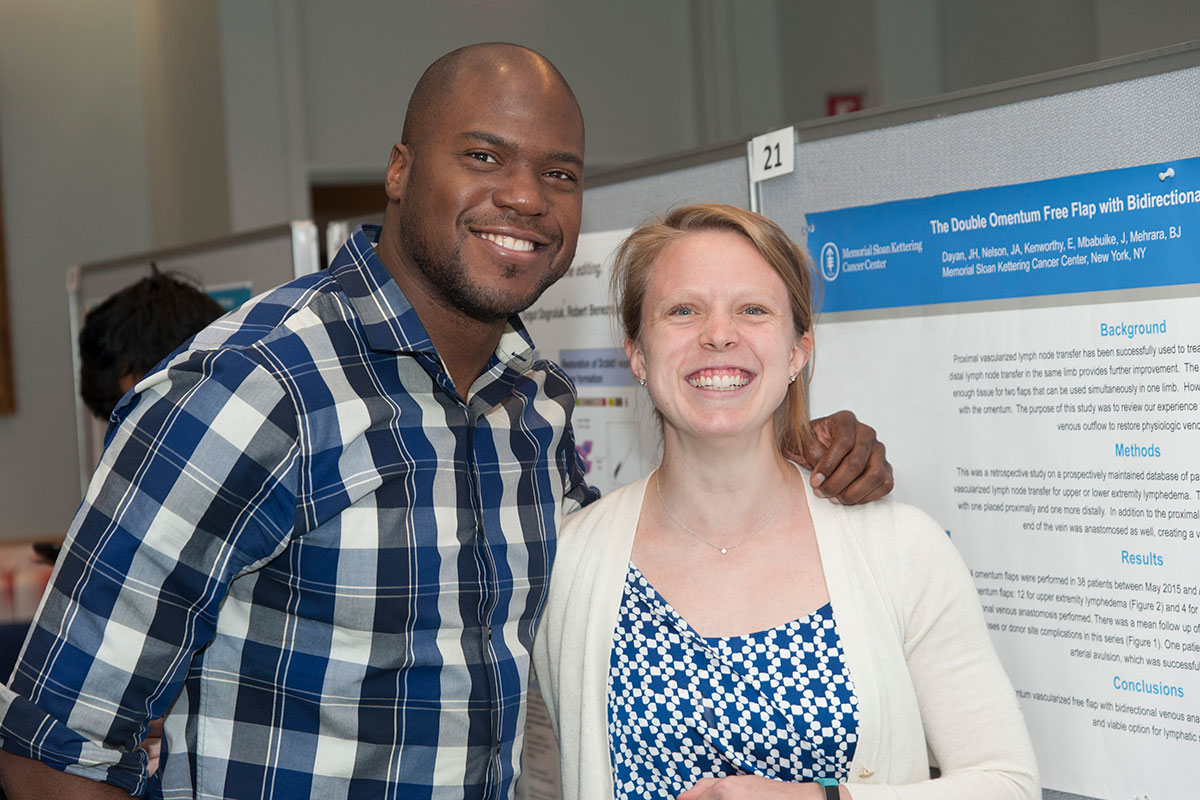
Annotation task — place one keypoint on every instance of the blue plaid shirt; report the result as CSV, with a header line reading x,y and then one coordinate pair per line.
x,y
306,550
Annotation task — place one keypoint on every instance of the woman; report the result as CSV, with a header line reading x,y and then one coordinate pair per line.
x,y
710,631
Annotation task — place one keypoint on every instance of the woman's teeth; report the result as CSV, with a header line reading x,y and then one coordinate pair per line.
x,y
720,383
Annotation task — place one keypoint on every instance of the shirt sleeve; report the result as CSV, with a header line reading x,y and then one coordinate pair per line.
x,y
196,485
578,492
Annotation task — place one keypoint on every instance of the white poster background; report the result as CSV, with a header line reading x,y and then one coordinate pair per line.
x,y
1018,460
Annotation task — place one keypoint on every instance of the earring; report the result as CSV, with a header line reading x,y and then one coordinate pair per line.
x,y
792,379
641,381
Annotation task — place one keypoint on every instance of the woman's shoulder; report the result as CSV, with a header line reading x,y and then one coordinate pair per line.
x,y
888,525
864,519
906,551
892,512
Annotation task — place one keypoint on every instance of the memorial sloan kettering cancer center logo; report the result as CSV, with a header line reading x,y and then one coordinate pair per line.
x,y
831,261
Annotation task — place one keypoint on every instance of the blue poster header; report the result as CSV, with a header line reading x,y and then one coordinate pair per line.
x,y
1119,229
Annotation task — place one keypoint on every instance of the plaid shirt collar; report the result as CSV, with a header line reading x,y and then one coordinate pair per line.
x,y
392,325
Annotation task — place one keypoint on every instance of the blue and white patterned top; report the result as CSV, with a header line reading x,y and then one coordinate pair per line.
x,y
326,562
777,703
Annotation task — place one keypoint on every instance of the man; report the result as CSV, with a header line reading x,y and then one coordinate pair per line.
x,y
320,537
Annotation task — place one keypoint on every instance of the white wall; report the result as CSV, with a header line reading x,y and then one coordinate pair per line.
x,y
135,124
361,58
110,126
264,127
180,71
908,34
75,189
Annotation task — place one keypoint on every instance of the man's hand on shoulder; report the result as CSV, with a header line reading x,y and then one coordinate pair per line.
x,y
848,463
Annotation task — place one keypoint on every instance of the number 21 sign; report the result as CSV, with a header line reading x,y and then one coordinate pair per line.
x,y
771,154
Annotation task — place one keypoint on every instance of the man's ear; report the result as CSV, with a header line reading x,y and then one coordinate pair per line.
x,y
399,164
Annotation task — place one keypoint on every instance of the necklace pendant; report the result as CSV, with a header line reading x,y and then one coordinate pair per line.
x,y
787,486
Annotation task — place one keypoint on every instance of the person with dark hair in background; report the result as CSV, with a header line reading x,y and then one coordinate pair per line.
x,y
320,536
132,330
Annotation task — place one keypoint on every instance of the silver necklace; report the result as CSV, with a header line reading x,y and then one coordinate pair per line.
x,y
787,488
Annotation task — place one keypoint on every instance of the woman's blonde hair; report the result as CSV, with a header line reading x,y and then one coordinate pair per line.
x,y
638,253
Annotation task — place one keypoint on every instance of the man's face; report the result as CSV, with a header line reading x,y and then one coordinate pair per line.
x,y
490,192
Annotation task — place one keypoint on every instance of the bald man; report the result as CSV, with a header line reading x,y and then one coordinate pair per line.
x,y
320,537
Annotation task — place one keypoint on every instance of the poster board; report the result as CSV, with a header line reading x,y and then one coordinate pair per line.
x,y
232,270
1013,299
1083,136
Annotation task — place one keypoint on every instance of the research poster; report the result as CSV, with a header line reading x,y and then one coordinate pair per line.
x,y
1057,438
574,324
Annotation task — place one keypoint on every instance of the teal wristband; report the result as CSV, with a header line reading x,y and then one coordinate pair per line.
x,y
831,788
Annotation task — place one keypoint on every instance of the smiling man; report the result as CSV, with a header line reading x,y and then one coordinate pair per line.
x,y
320,536
485,196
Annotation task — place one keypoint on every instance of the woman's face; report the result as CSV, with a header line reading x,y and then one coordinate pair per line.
x,y
718,344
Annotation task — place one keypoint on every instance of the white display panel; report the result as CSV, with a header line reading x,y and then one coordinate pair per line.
x,y
1053,432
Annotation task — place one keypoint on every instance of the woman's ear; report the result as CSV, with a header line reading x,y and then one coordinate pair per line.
x,y
801,352
637,361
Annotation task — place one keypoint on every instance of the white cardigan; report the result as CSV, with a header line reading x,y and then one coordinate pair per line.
x,y
926,675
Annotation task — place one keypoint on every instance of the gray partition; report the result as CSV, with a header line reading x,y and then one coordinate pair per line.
x,y
248,263
1121,113
623,198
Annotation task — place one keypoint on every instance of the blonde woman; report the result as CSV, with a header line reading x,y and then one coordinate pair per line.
x,y
711,631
